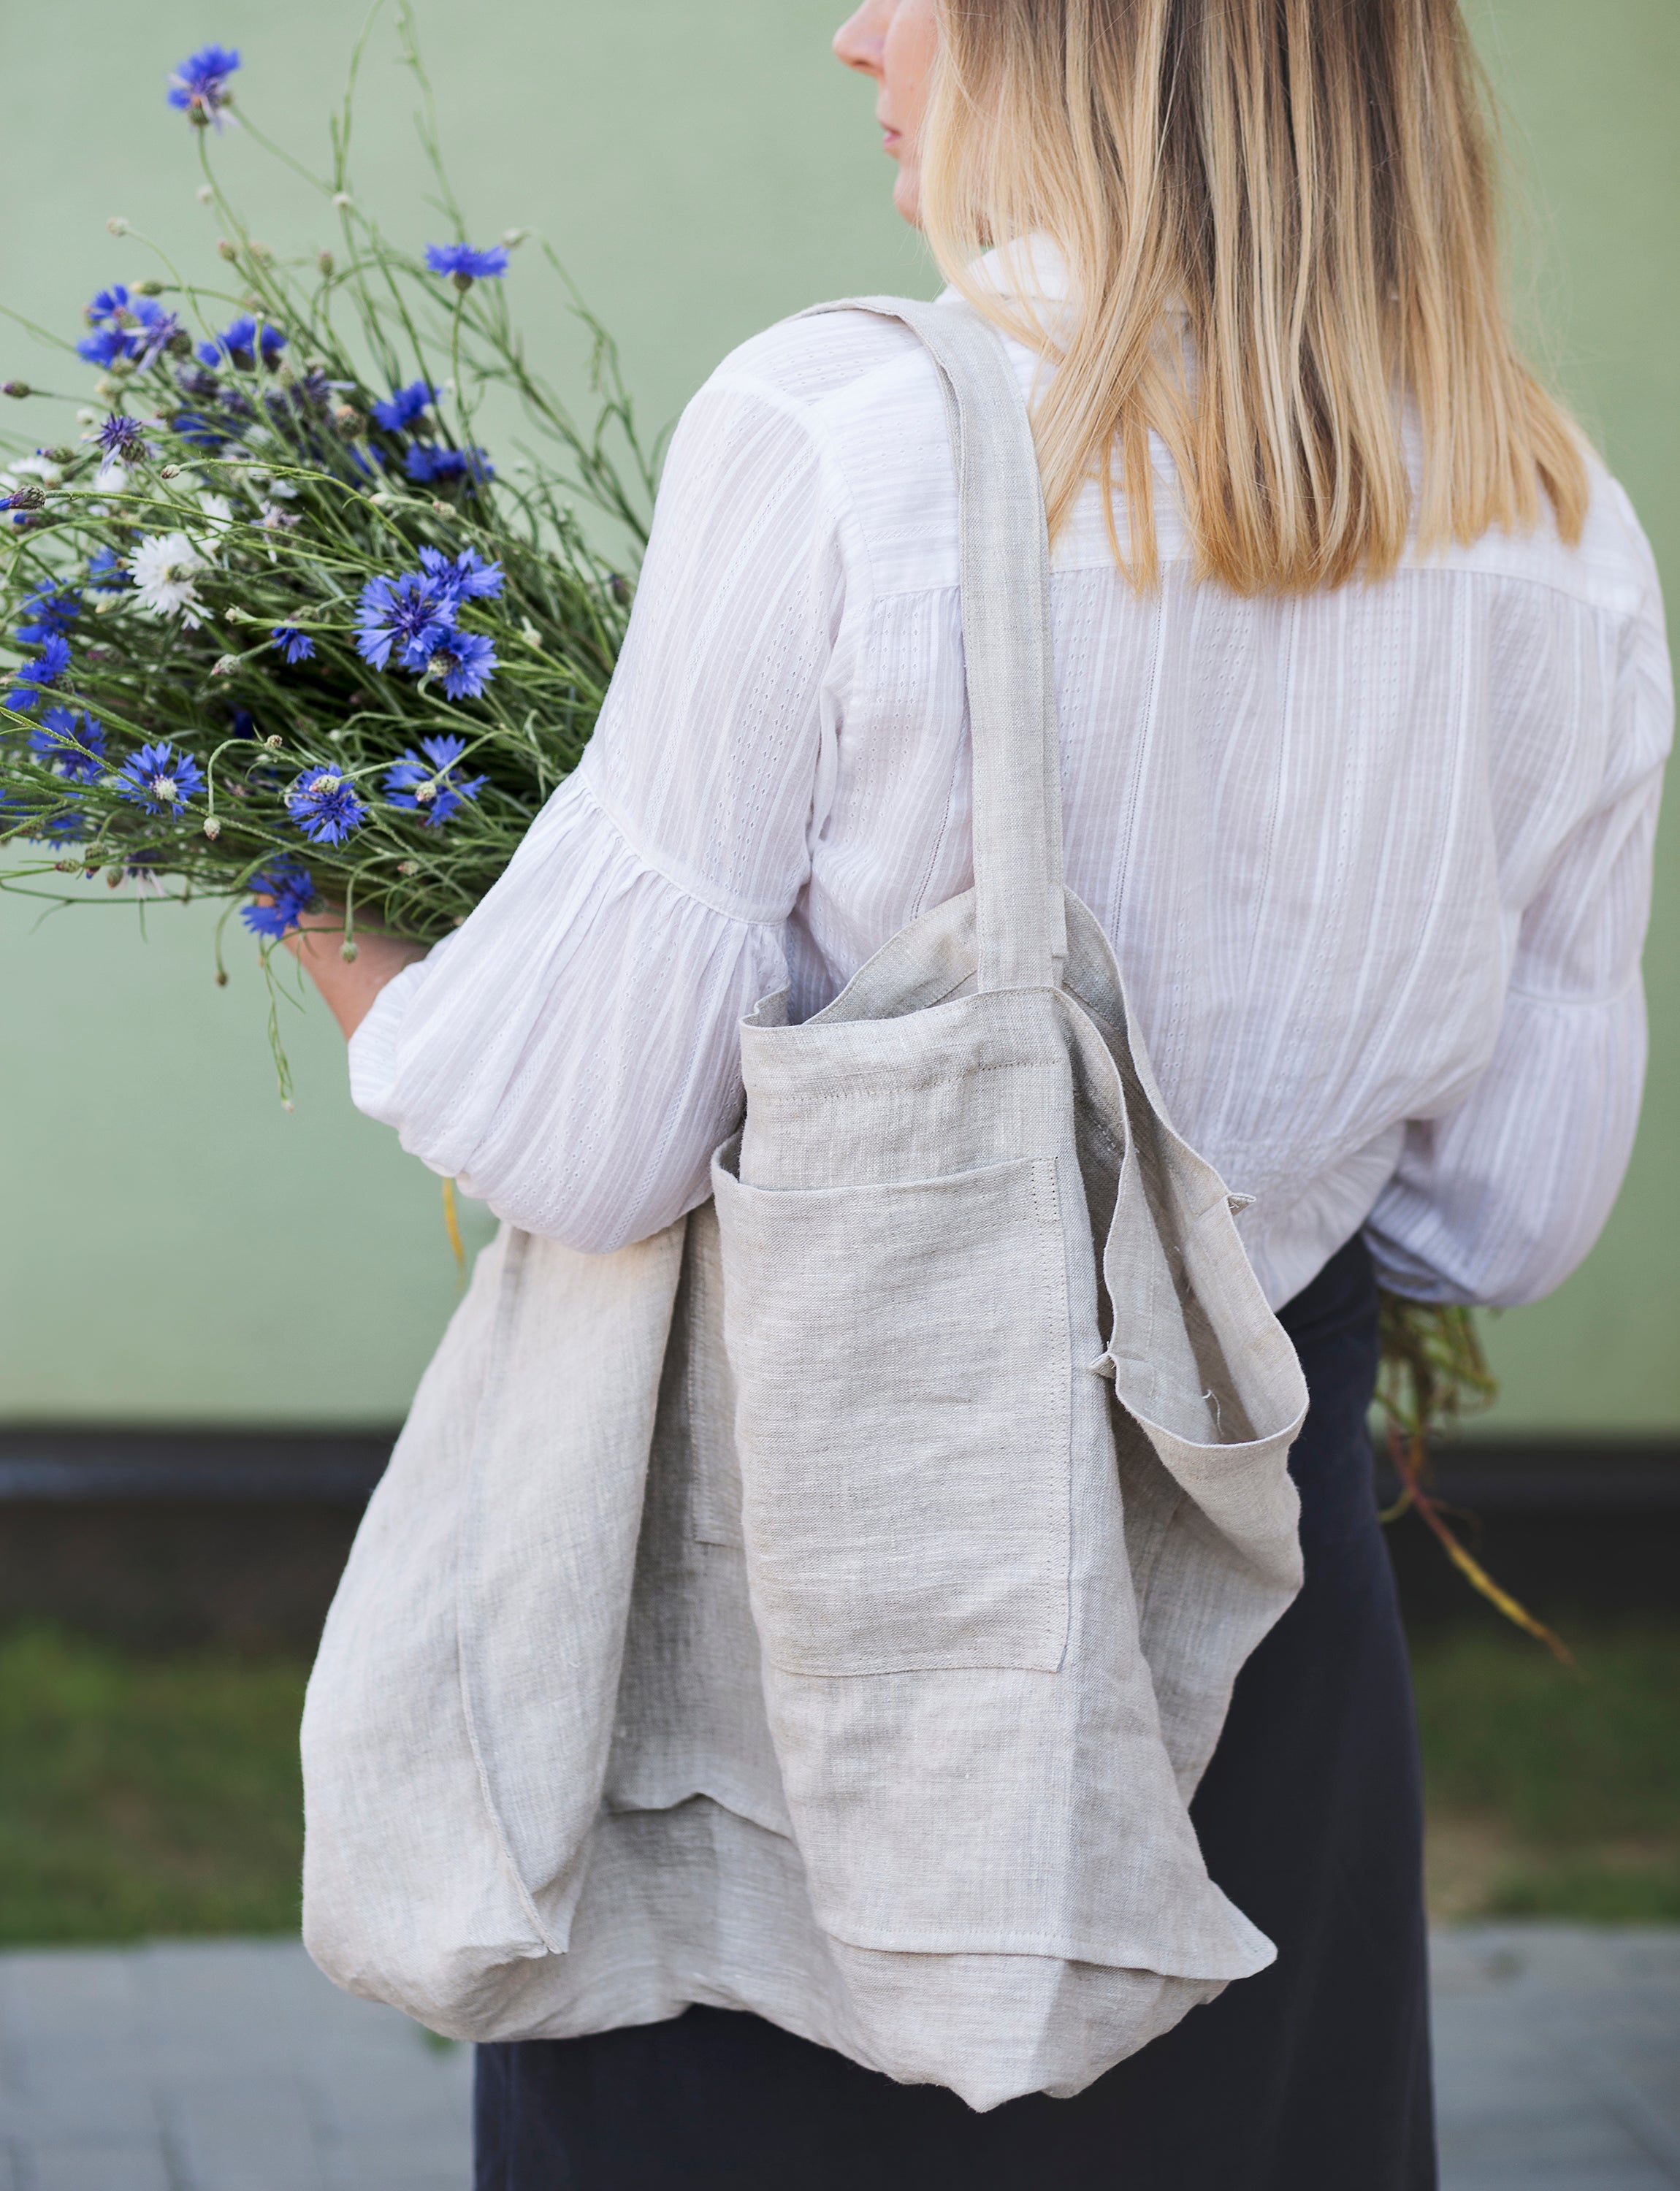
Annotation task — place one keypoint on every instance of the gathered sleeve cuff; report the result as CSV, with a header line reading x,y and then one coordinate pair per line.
x,y
573,1057
572,1054
1497,1201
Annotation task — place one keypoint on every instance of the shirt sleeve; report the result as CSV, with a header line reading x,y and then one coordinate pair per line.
x,y
571,1055
1497,1202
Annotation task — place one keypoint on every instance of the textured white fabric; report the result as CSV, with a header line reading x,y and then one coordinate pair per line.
x,y
1375,863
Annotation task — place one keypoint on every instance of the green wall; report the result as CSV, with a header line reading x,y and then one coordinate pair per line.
x,y
179,1247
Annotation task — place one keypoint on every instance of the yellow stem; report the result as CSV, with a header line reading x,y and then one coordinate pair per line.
x,y
451,1225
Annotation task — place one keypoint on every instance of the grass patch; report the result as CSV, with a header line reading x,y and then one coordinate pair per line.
x,y
148,1795
1553,1794
145,1795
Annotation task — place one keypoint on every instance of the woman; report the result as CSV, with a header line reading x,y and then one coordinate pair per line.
x,y
1364,700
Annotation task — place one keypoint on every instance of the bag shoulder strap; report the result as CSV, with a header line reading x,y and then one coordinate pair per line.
x,y
1003,564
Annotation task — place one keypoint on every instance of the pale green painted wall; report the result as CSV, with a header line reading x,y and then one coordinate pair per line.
x,y
178,1248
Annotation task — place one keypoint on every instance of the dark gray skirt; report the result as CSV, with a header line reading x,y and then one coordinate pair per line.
x,y
1314,2076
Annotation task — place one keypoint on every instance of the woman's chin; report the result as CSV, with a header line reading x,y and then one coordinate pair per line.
x,y
907,196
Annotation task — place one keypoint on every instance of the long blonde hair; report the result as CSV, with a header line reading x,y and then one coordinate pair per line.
x,y
1313,182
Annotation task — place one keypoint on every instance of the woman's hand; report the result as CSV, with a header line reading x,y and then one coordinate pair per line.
x,y
349,986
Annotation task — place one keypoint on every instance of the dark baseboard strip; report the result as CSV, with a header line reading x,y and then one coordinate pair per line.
x,y
1516,1475
52,1464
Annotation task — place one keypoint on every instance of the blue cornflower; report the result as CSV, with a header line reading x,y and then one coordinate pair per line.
x,y
159,779
104,347
53,609
34,677
24,818
68,825
466,662
291,887
406,613
109,316
203,433
105,573
156,332
427,466
433,787
404,406
324,806
294,646
58,736
240,342
199,86
121,438
465,577
463,265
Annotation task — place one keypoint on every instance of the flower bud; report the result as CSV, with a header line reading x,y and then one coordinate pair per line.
x,y
213,827
221,977
204,194
323,259
147,288
58,456
226,664
408,867
347,952
89,418
343,200
225,249
27,497
272,741
444,509
118,225
19,389
348,421
260,253
513,238
170,471
180,343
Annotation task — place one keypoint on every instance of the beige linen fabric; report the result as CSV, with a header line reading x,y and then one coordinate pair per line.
x,y
844,1591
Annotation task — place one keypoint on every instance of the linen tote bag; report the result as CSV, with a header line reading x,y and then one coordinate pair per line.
x,y
981,1411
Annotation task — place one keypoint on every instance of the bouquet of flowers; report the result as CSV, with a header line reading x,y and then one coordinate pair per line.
x,y
284,634
281,630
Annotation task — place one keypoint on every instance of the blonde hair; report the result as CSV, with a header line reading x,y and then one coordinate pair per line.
x,y
1313,182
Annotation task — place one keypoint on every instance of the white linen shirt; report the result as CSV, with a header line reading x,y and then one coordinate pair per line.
x,y
1375,863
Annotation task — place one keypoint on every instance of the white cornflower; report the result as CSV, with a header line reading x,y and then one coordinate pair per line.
x,y
166,567
34,467
216,507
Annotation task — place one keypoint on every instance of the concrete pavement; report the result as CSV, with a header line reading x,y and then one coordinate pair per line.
x,y
234,2066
